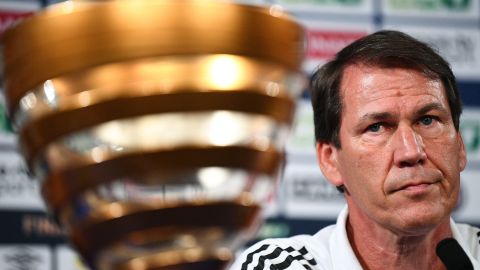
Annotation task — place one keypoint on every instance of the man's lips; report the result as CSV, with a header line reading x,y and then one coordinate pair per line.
x,y
412,185
411,180
416,185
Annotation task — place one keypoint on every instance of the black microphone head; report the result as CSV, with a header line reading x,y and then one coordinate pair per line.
x,y
452,255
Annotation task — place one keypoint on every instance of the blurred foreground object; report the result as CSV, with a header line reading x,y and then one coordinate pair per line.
x,y
156,127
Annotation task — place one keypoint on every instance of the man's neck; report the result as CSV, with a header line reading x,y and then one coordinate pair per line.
x,y
377,247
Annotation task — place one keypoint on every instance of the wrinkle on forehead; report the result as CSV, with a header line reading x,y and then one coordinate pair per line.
x,y
368,85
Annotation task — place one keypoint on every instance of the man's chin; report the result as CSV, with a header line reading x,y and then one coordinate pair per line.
x,y
419,224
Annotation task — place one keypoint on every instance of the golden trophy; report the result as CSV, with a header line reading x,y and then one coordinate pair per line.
x,y
156,128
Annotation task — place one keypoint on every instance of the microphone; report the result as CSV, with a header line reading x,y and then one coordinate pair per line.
x,y
452,255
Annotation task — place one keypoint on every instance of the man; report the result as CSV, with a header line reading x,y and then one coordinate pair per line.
x,y
386,113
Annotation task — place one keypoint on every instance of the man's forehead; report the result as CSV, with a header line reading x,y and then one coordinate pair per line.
x,y
371,81
369,89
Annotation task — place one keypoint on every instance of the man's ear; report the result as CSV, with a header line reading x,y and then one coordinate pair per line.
x,y
327,161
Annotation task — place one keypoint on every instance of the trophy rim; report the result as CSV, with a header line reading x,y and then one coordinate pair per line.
x,y
153,29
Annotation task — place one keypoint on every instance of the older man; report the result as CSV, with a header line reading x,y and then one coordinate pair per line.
x,y
386,113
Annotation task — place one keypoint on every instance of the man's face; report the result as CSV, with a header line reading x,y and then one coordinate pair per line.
x,y
400,156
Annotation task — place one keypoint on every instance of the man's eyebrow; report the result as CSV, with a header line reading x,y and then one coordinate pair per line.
x,y
431,107
376,116
383,116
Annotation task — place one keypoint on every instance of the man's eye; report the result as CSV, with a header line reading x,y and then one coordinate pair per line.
x,y
375,127
426,120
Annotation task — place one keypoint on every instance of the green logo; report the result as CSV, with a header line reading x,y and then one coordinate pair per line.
x,y
456,4
324,2
5,125
303,130
470,130
273,230
430,5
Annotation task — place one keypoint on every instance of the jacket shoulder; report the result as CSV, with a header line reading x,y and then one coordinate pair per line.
x,y
278,254
471,236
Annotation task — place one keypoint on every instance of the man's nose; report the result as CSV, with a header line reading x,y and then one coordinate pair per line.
x,y
409,147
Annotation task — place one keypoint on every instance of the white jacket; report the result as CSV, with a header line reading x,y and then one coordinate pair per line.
x,y
329,249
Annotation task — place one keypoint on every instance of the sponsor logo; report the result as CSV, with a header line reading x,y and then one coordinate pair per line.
x,y
17,189
470,130
324,39
324,44
325,2
41,226
458,49
24,257
15,181
303,137
431,5
309,189
273,230
9,19
5,126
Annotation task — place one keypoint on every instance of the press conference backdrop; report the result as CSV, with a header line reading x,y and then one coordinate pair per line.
x,y
304,201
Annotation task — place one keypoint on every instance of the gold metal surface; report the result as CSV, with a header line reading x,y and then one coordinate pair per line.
x,y
62,186
167,261
80,75
155,76
199,259
36,135
147,133
83,35
91,238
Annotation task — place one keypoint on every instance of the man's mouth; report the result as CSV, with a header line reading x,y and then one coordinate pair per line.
x,y
416,187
